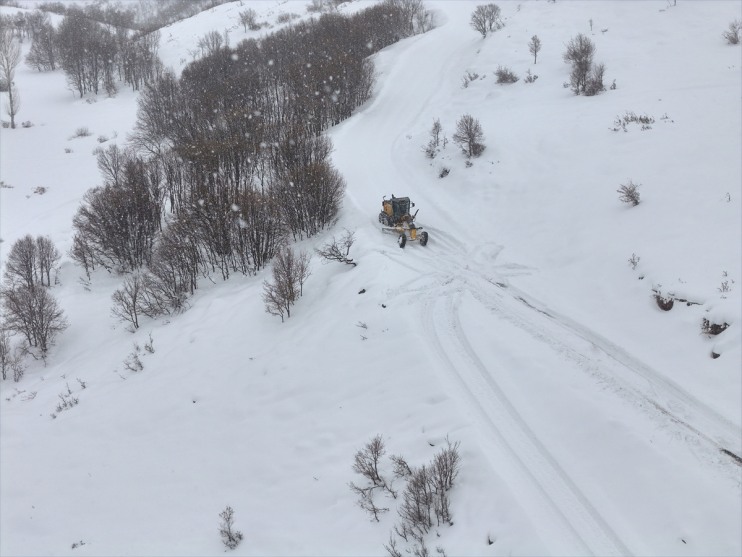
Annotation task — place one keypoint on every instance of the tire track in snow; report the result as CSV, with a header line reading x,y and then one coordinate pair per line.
x,y
630,377
565,511
621,369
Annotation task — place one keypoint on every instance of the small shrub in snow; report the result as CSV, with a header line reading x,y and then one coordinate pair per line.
x,y
709,328
424,503
530,78
149,346
401,468
66,400
132,361
634,261
505,75
27,124
285,18
443,172
594,83
646,121
338,250
628,193
81,132
731,35
724,288
231,538
102,139
468,78
469,136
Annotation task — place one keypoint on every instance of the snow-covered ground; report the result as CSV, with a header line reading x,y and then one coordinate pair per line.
x,y
590,421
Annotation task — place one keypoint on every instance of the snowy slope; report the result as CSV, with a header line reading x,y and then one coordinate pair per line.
x,y
590,421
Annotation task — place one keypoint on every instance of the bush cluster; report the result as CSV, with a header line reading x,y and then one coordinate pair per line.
x,y
586,78
425,500
486,19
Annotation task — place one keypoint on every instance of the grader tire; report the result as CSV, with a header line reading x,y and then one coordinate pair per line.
x,y
402,240
423,238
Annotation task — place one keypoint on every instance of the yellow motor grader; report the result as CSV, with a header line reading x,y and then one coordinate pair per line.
x,y
395,218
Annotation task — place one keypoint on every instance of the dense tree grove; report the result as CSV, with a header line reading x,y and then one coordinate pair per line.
x,y
94,57
96,48
27,306
116,225
229,161
144,16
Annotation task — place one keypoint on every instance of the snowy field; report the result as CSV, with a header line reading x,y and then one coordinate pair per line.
x,y
590,421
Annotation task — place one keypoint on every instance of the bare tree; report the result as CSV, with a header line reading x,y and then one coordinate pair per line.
x,y
247,19
469,136
731,35
338,250
367,460
127,300
433,146
10,56
486,18
594,83
534,47
210,43
10,359
116,224
580,52
230,537
13,104
417,503
289,274
43,55
48,257
445,466
21,266
34,313
276,299
415,17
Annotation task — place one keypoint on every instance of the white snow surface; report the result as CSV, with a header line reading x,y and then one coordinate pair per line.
x,y
590,422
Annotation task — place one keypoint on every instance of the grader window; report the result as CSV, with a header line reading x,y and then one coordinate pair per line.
x,y
401,207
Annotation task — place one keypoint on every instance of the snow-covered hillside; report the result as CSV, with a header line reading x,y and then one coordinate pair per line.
x,y
590,421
